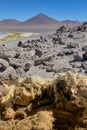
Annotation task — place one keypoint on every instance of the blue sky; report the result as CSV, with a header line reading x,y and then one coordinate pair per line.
x,y
58,9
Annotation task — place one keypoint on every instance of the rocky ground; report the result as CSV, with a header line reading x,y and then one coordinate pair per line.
x,y
65,50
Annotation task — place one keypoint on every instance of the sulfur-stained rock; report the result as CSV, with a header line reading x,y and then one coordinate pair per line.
x,y
42,120
3,91
8,113
7,99
19,115
22,96
59,103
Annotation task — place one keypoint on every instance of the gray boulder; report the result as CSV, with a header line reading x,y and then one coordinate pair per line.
x,y
77,57
9,73
40,61
6,52
69,51
18,51
27,67
62,29
76,65
20,72
72,45
38,52
70,35
27,54
84,65
46,63
49,69
84,56
61,53
3,64
19,44
17,63
84,48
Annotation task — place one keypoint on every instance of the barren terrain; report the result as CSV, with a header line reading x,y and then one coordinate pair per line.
x,y
41,80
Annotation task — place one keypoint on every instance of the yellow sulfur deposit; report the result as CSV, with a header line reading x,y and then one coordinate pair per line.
x,y
33,103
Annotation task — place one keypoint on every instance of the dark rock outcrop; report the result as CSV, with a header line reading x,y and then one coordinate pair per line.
x,y
84,56
72,45
77,57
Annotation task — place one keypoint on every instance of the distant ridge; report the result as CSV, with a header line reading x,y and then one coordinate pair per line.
x,y
70,21
9,22
40,19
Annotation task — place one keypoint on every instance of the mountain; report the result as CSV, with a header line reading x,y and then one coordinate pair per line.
x,y
9,22
40,19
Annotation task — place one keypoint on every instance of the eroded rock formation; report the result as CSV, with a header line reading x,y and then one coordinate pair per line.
x,y
32,103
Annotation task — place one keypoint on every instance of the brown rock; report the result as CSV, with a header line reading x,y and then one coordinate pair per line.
x,y
9,113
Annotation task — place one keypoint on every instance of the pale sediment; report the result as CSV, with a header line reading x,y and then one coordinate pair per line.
x,y
11,36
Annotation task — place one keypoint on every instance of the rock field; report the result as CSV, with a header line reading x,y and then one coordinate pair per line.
x,y
65,50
